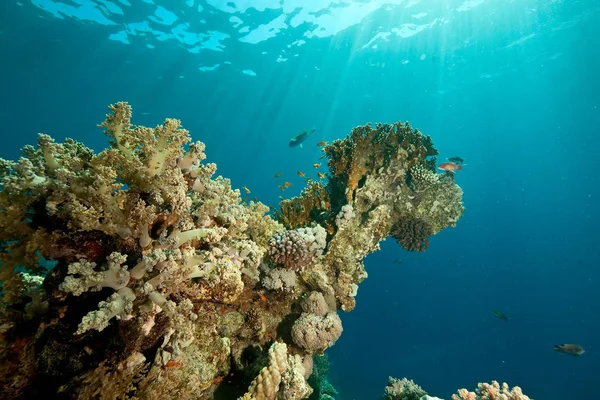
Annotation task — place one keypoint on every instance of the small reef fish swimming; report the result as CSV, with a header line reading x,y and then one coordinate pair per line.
x,y
300,173
321,143
399,261
456,160
287,184
500,314
450,167
246,190
301,137
321,175
277,175
317,165
571,349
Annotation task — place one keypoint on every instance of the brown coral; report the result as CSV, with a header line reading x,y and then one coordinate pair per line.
x,y
306,208
366,150
412,234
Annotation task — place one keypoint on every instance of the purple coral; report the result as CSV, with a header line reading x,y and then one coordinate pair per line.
x,y
296,249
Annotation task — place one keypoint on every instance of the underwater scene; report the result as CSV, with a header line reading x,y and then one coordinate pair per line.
x,y
300,199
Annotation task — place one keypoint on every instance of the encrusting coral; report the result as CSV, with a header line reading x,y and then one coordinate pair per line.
x,y
133,273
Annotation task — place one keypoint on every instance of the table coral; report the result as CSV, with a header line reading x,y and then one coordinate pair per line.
x,y
165,283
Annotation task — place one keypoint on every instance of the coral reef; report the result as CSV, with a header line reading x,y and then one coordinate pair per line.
x,y
403,389
491,391
307,208
135,273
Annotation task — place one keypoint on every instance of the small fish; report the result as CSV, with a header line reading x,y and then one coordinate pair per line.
x,y
500,314
281,188
321,143
317,165
456,160
399,261
450,167
571,349
321,175
322,157
263,298
171,364
301,137
300,173
255,199
287,184
246,190
277,175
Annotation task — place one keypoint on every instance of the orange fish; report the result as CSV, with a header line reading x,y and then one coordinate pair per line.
x,y
571,349
281,188
287,184
300,173
317,165
450,166
321,143
321,175
173,364
263,298
277,175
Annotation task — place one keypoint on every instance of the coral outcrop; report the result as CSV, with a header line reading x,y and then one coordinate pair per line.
x,y
405,389
135,272
491,391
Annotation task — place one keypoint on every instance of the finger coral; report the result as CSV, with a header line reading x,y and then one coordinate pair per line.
x,y
137,273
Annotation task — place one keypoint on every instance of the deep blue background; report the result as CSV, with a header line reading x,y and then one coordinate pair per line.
x,y
525,118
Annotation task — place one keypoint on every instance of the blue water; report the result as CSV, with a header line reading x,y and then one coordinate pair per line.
x,y
511,86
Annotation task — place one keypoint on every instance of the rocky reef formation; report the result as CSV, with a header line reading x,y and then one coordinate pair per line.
x,y
134,273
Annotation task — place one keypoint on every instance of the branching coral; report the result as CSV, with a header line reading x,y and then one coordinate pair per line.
x,y
167,283
403,389
491,391
299,248
412,234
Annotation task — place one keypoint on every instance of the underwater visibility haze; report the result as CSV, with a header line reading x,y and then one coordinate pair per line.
x,y
284,199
